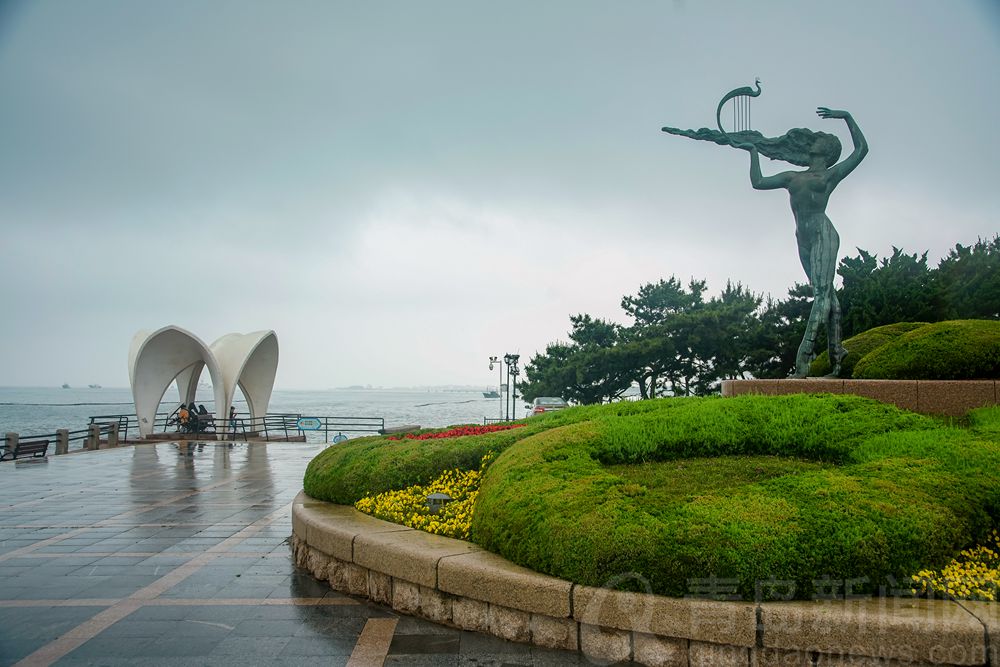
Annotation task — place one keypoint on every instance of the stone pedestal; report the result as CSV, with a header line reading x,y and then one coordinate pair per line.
x,y
62,441
934,397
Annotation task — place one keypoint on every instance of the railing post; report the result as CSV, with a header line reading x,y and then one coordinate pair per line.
x,y
94,439
11,440
62,441
113,436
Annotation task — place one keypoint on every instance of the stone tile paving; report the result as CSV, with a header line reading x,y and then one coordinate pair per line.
x,y
176,554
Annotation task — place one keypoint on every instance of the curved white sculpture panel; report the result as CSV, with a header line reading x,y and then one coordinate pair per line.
x,y
249,361
157,358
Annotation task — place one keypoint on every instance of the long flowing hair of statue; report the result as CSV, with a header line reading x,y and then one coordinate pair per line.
x,y
793,147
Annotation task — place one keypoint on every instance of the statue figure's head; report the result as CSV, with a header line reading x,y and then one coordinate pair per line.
x,y
799,146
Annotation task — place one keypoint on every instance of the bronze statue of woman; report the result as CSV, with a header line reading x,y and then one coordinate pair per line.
x,y
809,192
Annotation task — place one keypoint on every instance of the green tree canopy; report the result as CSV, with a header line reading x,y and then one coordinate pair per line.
x,y
897,288
679,342
967,282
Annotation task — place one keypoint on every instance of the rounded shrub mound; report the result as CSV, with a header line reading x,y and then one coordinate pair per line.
x,y
953,350
349,471
743,491
860,345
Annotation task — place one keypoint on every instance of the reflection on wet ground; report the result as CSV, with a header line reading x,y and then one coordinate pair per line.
x,y
177,554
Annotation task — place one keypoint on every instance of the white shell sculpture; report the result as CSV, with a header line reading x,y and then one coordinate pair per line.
x,y
157,358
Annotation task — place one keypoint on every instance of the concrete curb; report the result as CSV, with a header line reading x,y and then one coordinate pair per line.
x,y
458,584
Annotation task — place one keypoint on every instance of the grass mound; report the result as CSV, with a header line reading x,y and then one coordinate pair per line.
x,y
368,466
953,350
985,422
746,490
347,472
860,345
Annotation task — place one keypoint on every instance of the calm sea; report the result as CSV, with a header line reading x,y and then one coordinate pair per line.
x,y
41,410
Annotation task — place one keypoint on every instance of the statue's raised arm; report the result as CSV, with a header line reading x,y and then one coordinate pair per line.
x,y
860,143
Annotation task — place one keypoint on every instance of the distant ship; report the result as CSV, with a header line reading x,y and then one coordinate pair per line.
x,y
489,393
94,386
65,386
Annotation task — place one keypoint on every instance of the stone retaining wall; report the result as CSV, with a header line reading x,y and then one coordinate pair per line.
x,y
458,584
942,397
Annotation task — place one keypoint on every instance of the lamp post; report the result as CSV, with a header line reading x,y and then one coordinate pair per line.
x,y
496,360
512,373
506,403
513,386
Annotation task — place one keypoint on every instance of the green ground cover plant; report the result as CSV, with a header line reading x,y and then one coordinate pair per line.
x,y
952,350
985,422
747,489
859,346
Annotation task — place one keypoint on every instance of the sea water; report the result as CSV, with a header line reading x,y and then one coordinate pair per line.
x,y
43,410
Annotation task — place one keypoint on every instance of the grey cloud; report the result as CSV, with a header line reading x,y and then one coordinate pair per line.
x,y
255,150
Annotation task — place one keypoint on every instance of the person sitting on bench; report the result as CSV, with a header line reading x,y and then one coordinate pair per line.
x,y
183,417
193,425
204,419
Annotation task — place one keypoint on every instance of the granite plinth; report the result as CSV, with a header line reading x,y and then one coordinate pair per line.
x,y
940,397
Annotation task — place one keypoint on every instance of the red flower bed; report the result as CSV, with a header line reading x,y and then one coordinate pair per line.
x,y
458,432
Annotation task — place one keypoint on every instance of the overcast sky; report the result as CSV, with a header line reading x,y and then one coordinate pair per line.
x,y
402,189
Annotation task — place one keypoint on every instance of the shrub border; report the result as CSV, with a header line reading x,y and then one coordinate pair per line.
x,y
935,397
458,584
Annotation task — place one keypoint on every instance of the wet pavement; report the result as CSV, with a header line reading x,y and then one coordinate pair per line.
x,y
177,554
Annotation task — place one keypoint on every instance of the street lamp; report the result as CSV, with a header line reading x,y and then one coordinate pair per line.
x,y
512,373
496,360
513,385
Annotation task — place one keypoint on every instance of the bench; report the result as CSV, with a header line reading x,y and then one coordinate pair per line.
x,y
199,423
24,448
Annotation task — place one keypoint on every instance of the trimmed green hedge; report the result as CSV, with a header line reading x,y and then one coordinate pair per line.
x,y
953,350
797,488
860,345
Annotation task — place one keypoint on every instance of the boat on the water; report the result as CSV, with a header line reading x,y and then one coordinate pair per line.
x,y
489,393
65,386
94,386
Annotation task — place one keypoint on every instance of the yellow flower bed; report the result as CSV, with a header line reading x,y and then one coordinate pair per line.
x,y
409,506
974,575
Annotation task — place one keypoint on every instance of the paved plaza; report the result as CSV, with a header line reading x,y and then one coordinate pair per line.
x,y
177,554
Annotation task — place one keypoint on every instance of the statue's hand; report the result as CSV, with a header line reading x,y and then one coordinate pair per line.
x,y
823,112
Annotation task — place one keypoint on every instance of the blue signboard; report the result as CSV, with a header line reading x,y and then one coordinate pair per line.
x,y
309,424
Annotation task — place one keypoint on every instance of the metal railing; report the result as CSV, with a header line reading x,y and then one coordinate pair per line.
x,y
124,423
286,425
270,427
63,439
